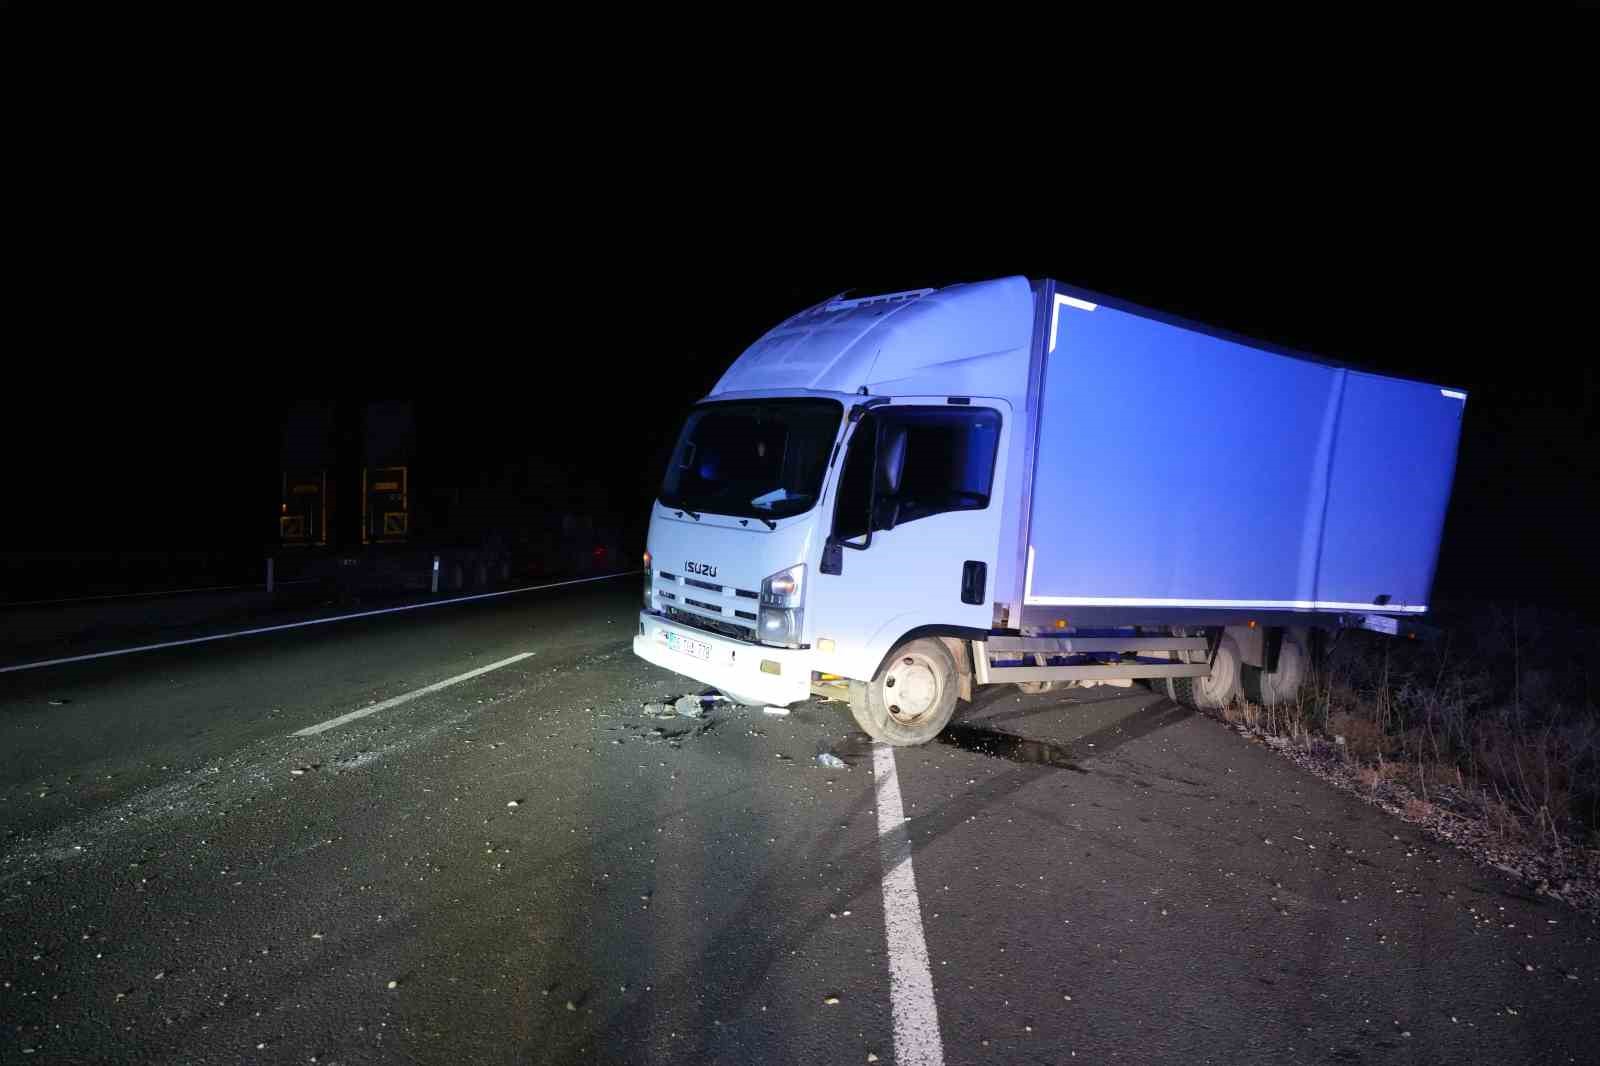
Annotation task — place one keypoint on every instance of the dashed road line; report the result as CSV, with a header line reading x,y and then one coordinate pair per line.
x,y
322,727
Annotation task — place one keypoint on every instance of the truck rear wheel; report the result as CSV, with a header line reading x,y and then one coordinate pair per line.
x,y
1282,686
913,696
1213,692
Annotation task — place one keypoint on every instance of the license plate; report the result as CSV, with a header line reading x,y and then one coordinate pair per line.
x,y
698,649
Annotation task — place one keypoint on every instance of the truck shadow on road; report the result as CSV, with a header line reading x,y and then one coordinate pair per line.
x,y
980,735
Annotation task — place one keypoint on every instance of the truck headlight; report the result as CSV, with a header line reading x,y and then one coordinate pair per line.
x,y
780,616
786,588
649,583
780,625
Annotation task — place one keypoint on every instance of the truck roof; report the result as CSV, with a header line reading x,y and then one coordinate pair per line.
x,y
966,338
963,338
1120,304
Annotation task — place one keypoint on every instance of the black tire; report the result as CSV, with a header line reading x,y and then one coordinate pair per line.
x,y
1216,691
1282,686
913,696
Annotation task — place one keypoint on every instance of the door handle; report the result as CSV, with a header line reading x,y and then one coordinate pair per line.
x,y
974,578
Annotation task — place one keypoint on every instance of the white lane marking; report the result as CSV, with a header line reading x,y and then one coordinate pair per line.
x,y
312,622
916,1016
331,723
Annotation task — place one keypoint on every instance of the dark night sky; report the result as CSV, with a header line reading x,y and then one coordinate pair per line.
x,y
581,333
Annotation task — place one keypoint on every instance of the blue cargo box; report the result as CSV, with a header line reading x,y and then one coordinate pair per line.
x,y
1177,468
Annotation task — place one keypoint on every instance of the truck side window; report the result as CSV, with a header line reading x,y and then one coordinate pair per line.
x,y
855,482
948,463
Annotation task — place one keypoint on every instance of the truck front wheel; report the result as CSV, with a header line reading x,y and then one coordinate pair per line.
x,y
911,699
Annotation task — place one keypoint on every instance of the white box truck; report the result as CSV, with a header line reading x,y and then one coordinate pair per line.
x,y
894,499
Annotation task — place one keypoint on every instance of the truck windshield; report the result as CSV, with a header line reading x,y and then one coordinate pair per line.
x,y
752,458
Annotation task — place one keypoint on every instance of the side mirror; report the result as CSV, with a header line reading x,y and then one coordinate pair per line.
x,y
886,514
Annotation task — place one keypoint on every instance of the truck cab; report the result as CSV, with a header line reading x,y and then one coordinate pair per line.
x,y
837,495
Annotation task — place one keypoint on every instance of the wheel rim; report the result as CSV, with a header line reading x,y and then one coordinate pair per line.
x,y
911,689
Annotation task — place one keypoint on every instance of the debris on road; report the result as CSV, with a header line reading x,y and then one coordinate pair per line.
x,y
513,803
688,707
832,1001
830,760
781,712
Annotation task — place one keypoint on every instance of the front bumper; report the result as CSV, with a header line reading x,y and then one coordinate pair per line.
x,y
735,668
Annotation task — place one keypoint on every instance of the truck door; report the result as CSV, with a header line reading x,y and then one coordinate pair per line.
x,y
915,530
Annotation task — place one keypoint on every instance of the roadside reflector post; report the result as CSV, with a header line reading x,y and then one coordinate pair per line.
x,y
435,573
269,573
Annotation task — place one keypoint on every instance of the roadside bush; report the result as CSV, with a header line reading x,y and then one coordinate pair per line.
x,y
1502,702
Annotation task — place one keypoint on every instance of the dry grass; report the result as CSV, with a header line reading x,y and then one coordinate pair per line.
x,y
1362,737
1500,707
1418,809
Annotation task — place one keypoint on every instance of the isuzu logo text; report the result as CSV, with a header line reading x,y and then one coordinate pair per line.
x,y
705,569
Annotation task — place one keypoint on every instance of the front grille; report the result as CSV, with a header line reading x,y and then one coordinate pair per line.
x,y
703,605
712,586
746,614
664,576
711,625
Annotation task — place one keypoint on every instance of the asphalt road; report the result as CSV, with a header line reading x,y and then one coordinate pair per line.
x,y
521,867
